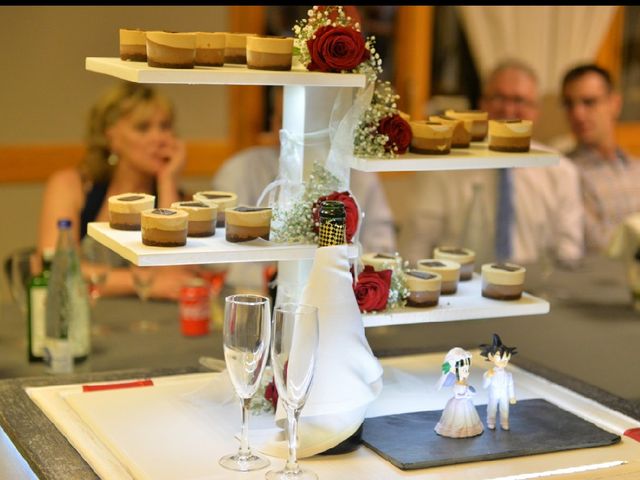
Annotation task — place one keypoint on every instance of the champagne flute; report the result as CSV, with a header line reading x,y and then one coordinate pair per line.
x,y
96,267
246,334
294,349
143,278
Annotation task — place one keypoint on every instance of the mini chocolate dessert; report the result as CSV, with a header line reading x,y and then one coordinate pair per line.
x,y
247,223
269,52
510,135
430,138
424,288
235,48
133,45
464,256
210,49
502,281
202,218
164,227
382,261
222,200
461,129
479,118
447,269
125,209
171,49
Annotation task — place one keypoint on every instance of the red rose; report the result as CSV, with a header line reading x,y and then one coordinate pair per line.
x,y
372,289
271,393
334,49
399,132
353,215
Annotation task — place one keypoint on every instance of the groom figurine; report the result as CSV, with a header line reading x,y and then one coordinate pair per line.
x,y
498,381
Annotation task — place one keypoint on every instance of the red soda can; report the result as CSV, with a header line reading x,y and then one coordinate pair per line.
x,y
195,307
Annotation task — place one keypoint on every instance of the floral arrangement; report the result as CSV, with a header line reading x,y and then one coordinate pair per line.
x,y
300,222
372,289
266,397
329,41
382,132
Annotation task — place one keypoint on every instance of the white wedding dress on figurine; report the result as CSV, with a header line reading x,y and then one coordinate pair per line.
x,y
348,377
460,418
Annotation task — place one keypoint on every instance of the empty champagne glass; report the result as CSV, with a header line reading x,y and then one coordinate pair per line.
x,y
294,348
143,278
246,337
96,265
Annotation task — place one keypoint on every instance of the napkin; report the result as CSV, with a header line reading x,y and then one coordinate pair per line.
x,y
347,377
626,238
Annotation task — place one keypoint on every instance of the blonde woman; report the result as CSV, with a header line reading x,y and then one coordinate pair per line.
x,y
131,147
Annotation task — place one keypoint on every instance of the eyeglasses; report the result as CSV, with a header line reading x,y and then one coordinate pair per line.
x,y
586,102
516,100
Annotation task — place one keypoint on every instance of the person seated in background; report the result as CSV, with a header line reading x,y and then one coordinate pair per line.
x,y
539,213
377,233
610,178
131,147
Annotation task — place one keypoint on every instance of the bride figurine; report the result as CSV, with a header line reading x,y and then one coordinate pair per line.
x,y
459,417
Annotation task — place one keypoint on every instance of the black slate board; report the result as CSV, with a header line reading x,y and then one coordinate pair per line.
x,y
409,442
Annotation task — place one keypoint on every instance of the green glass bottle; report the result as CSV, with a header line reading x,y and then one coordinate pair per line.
x,y
333,219
36,302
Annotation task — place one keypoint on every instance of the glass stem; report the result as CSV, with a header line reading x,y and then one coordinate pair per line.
x,y
244,450
292,421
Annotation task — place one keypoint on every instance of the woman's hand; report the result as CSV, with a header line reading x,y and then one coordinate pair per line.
x,y
176,153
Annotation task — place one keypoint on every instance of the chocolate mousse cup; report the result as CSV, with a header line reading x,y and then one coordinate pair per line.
x,y
164,227
244,224
424,288
502,281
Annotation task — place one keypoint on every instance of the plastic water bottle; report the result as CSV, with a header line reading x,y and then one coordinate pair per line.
x,y
67,315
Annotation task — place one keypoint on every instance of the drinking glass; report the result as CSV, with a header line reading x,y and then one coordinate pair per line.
x,y
96,266
294,349
143,278
246,337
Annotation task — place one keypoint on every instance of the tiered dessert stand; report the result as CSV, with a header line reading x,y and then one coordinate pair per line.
x,y
308,100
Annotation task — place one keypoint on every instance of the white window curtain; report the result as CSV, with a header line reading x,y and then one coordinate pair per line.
x,y
551,39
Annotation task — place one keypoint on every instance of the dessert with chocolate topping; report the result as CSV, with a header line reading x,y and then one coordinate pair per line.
x,y
202,218
502,281
266,52
222,200
164,227
171,49
133,45
479,118
430,138
510,135
447,269
464,256
382,261
461,137
247,223
210,49
124,209
424,288
235,48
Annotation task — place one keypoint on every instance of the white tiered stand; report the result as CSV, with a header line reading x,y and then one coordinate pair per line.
x,y
308,97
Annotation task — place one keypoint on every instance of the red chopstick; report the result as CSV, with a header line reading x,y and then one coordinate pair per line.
x,y
113,386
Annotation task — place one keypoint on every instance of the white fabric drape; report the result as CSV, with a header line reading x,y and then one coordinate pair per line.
x,y
549,38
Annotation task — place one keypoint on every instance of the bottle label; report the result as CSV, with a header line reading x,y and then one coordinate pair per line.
x,y
37,309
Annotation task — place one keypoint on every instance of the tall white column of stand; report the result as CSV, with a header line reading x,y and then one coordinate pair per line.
x,y
306,110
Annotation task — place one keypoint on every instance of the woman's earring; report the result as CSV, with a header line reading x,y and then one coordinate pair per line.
x,y
113,159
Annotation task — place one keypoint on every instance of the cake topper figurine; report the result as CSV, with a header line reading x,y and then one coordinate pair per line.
x,y
459,418
498,381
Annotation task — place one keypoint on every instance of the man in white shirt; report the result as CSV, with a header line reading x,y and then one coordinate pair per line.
x,y
548,215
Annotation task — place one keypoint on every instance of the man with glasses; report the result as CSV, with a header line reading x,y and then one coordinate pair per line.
x,y
532,214
610,179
